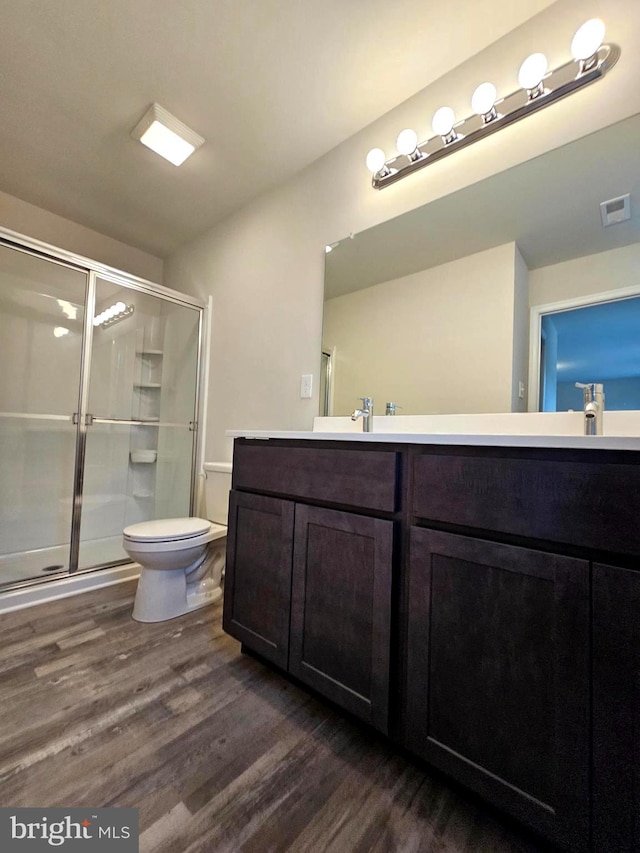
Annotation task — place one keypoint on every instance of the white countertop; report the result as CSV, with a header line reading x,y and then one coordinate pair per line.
x,y
510,429
580,442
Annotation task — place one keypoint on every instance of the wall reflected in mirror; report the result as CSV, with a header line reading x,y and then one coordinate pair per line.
x,y
596,343
432,310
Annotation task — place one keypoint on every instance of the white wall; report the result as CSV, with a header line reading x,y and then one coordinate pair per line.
x,y
32,221
439,341
593,274
264,266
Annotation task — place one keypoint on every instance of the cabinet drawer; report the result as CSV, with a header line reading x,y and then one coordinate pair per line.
x,y
356,478
589,504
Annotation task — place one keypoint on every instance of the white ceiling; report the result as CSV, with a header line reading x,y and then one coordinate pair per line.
x,y
271,84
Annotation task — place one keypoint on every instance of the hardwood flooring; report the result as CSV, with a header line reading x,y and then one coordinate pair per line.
x,y
219,753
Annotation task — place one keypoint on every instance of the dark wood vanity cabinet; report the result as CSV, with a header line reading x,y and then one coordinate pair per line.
x,y
309,587
616,709
341,609
257,596
497,688
497,590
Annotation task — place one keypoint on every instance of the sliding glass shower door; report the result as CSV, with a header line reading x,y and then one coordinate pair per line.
x,y
98,412
140,423
42,307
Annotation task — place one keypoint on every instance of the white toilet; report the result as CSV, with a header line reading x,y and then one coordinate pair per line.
x,y
181,559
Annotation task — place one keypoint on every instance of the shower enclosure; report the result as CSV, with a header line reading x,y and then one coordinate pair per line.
x,y
98,409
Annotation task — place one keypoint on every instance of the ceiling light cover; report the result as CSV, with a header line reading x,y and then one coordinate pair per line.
x,y
166,135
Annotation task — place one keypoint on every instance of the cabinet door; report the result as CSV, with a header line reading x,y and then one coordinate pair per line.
x,y
498,676
257,597
341,609
616,710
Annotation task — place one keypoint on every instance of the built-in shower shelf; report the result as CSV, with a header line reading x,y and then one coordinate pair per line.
x,y
147,385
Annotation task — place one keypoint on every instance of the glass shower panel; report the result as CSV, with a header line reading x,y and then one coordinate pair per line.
x,y
142,401
42,308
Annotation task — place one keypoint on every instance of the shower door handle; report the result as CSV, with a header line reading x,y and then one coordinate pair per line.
x,y
88,419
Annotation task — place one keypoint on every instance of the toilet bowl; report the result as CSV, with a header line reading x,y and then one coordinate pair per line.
x,y
181,559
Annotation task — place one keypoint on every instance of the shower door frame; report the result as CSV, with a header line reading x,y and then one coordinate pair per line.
x,y
83,419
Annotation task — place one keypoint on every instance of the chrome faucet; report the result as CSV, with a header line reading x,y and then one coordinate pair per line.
x,y
366,413
593,407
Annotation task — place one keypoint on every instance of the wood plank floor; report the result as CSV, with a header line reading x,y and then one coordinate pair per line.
x,y
217,751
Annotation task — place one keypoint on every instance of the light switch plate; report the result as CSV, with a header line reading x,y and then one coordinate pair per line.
x,y
306,386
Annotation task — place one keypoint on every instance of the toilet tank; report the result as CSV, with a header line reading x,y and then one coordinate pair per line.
x,y
216,487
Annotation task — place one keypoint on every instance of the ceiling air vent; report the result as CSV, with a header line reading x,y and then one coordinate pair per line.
x,y
615,210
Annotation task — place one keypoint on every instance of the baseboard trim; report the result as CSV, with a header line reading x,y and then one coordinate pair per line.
x,y
42,593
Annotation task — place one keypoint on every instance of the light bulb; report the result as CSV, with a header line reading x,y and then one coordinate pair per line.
x,y
484,98
443,121
375,160
587,39
407,141
532,71
119,306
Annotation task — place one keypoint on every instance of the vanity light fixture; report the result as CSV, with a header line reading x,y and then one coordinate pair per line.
x,y
483,102
538,88
166,135
113,314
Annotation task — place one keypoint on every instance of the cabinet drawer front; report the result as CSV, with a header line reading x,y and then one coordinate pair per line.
x,y
357,478
589,504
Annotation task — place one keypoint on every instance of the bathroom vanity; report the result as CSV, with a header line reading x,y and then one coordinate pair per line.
x,y
475,598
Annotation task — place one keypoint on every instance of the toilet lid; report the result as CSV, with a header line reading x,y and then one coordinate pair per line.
x,y
167,529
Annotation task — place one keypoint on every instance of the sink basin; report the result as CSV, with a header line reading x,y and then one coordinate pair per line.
x,y
509,423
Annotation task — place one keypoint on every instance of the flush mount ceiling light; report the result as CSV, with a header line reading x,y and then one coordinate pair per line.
x,y
538,88
166,135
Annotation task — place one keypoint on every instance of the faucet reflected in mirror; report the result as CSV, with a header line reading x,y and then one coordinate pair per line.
x,y
434,307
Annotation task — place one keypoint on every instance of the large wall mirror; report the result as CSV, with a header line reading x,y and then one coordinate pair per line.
x,y
433,310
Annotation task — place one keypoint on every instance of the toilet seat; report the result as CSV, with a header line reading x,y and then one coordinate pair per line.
x,y
167,529
170,534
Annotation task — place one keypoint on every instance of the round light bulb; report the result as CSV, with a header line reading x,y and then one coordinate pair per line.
x,y
587,39
407,141
375,160
484,98
119,306
443,121
532,71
